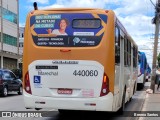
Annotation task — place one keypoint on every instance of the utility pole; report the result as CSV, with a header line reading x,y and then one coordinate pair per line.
x,y
156,22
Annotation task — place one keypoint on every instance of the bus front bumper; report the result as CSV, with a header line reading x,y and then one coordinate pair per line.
x,y
92,104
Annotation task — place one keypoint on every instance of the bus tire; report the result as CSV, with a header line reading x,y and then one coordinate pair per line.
x,y
142,86
133,92
38,109
134,89
61,111
130,99
121,110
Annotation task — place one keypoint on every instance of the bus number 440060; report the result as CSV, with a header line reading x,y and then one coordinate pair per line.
x,y
85,73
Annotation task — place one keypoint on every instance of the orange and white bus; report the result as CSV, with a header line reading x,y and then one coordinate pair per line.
x,y
78,59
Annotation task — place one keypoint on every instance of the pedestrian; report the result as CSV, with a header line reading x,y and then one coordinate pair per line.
x,y
158,81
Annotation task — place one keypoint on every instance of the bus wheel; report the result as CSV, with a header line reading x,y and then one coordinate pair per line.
x,y
133,92
38,109
121,110
142,86
130,99
61,111
134,89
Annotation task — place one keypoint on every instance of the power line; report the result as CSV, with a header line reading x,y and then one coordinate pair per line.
x,y
147,26
153,3
150,13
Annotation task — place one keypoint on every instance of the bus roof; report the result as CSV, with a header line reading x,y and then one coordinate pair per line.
x,y
71,9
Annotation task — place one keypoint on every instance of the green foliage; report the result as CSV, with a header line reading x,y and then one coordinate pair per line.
x,y
158,59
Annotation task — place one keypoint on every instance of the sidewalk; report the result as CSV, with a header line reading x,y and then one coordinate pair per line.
x,y
151,103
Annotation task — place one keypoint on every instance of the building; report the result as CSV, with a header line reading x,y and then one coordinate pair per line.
x,y
9,34
21,40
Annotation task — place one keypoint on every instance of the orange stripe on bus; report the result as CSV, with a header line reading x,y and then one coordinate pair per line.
x,y
32,31
103,24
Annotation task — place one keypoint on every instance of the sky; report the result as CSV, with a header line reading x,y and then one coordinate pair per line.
x,y
135,15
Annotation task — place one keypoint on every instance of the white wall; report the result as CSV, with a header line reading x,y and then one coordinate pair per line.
x,y
10,5
10,48
9,28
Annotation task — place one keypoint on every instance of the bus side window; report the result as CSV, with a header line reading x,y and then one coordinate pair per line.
x,y
125,52
135,52
129,52
117,45
136,57
133,56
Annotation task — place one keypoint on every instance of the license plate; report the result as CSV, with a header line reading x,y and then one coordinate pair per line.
x,y
64,91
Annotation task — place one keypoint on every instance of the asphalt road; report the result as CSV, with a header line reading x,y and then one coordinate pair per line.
x,y
15,102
